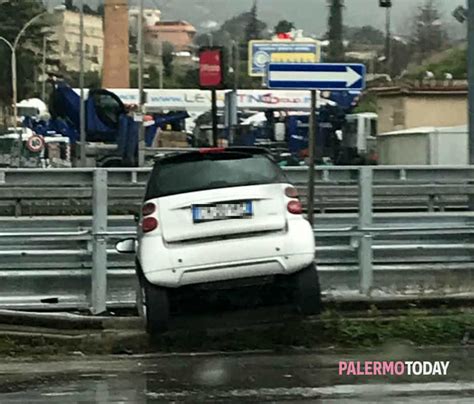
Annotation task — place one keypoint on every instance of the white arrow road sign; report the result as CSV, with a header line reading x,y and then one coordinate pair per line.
x,y
319,76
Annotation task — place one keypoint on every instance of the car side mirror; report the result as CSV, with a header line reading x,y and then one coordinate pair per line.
x,y
126,246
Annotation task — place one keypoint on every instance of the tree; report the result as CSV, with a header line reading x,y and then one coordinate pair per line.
x,y
101,10
70,5
89,10
283,27
167,58
335,31
366,35
429,35
14,14
252,29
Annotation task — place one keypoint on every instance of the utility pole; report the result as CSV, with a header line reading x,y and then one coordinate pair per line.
x,y
335,28
387,4
388,40
43,71
235,49
82,111
160,44
312,150
470,66
141,50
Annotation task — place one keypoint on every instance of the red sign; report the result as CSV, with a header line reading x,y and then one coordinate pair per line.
x,y
211,72
35,143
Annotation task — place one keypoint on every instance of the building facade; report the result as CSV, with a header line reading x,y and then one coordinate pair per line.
x,y
150,17
67,38
180,34
406,108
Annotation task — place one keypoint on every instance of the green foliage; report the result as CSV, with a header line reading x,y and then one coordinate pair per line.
x,y
368,103
429,35
14,14
252,29
284,26
91,79
70,5
366,35
455,62
167,58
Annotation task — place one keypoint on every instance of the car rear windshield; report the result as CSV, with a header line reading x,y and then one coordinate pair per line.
x,y
199,172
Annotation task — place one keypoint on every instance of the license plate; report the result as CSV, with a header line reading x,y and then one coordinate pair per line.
x,y
222,211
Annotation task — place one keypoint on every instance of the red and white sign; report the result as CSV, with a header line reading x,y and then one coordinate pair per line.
x,y
35,143
211,72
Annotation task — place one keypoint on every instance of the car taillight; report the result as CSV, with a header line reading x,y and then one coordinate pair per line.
x,y
295,207
291,192
149,224
148,209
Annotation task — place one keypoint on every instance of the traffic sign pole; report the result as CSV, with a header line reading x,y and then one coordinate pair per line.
x,y
314,77
312,150
470,64
214,117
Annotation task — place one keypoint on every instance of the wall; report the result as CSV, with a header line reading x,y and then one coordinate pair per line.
x,y
445,110
180,35
391,111
410,149
398,112
450,147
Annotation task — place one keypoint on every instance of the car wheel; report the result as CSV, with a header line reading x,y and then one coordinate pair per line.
x,y
153,307
308,292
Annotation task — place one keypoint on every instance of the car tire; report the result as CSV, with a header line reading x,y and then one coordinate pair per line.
x,y
307,291
153,307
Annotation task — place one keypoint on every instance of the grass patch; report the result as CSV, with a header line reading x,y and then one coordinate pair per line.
x,y
331,329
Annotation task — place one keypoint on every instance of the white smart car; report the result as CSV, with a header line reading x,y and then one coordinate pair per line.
x,y
218,215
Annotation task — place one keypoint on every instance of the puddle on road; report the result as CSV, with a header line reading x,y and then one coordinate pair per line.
x,y
241,378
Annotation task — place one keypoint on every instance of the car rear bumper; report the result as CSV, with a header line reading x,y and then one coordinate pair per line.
x,y
186,264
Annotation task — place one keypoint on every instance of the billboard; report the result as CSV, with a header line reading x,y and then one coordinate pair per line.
x,y
200,100
211,71
261,53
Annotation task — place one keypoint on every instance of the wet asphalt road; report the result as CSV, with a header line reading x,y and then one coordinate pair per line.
x,y
301,376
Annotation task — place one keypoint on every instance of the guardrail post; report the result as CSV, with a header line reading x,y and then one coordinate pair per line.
x,y
365,221
99,249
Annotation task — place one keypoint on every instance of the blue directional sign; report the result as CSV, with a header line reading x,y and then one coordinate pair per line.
x,y
261,53
316,76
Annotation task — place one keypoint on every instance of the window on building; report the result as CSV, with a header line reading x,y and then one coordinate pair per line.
x,y
88,48
78,46
67,47
96,50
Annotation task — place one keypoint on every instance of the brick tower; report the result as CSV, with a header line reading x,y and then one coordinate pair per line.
x,y
116,73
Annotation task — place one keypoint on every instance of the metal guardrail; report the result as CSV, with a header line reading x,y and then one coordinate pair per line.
x,y
70,262
50,192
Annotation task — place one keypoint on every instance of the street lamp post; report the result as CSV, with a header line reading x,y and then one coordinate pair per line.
x,y
82,110
141,51
43,70
387,4
13,48
210,39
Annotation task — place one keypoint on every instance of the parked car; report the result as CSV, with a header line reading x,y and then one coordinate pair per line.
x,y
220,215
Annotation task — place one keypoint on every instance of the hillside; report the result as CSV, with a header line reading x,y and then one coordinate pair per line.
x,y
309,15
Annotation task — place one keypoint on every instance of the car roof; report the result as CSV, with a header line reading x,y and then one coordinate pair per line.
x,y
204,153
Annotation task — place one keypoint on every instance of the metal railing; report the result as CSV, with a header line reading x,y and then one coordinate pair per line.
x,y
70,261
52,192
